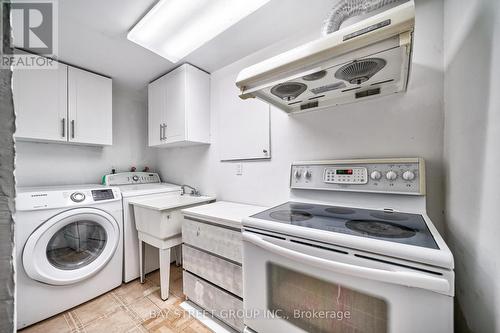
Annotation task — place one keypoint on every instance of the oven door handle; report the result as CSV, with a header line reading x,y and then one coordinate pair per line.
x,y
405,278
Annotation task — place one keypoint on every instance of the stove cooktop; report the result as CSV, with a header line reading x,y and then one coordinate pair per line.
x,y
397,227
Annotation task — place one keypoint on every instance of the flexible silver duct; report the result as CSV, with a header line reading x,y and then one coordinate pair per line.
x,y
345,9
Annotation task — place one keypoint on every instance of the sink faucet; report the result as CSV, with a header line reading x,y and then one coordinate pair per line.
x,y
194,192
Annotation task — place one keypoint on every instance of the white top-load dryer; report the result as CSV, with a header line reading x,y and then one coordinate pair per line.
x,y
137,185
68,248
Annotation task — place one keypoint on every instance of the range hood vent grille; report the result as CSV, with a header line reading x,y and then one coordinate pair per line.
x,y
374,61
288,91
359,71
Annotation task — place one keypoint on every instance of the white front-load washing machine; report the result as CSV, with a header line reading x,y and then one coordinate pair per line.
x,y
68,248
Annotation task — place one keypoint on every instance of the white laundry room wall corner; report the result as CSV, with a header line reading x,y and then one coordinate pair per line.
x,y
472,158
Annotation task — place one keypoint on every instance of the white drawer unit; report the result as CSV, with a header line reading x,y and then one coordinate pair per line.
x,y
220,272
223,242
212,258
220,303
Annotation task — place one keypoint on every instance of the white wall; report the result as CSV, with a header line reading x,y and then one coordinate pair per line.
x,y
54,164
402,125
472,155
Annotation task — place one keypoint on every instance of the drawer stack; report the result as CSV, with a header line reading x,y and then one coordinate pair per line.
x,y
212,258
212,269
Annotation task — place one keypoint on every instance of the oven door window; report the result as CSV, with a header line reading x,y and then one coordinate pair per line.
x,y
318,306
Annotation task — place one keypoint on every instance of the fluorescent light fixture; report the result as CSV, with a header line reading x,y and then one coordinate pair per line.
x,y
175,28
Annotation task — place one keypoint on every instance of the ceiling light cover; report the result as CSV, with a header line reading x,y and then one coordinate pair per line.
x,y
175,28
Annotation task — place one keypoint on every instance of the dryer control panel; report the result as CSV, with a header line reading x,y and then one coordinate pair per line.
x,y
397,176
105,194
60,197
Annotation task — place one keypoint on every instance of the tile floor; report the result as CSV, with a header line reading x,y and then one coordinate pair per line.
x,y
130,308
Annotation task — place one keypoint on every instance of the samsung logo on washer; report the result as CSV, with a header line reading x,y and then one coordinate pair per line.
x,y
363,60
39,195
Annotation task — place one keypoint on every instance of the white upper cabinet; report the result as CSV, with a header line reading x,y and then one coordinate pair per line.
x,y
179,108
89,108
244,126
175,106
65,104
40,102
157,95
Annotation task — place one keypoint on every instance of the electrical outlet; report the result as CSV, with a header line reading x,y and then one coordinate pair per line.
x,y
239,169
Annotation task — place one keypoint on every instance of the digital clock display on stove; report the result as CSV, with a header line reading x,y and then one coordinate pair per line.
x,y
344,172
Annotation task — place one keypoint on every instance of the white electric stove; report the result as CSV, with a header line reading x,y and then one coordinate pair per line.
x,y
353,251
135,185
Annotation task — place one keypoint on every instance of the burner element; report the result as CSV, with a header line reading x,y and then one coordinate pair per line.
x,y
390,216
300,206
291,215
340,210
380,229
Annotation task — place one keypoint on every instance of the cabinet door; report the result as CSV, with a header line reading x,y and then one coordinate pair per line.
x,y
244,125
175,110
40,102
90,108
156,106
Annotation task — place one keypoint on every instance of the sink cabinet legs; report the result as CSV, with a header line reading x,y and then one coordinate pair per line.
x,y
164,272
142,248
178,255
164,247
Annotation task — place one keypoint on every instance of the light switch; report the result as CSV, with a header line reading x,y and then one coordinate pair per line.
x,y
239,169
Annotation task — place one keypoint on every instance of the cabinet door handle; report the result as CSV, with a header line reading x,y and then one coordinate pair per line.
x,y
72,129
63,121
164,131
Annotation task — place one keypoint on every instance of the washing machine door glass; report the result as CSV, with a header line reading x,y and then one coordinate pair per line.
x,y
71,246
76,245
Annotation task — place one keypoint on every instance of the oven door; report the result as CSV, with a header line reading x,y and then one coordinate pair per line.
x,y
295,286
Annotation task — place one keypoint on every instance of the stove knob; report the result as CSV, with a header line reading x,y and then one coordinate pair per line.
x,y
77,197
135,178
391,175
307,174
408,175
375,175
298,174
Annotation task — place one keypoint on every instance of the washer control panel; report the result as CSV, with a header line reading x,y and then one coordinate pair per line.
x,y
398,176
355,175
125,178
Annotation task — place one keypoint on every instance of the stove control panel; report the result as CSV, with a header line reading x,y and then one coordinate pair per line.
x,y
343,175
397,176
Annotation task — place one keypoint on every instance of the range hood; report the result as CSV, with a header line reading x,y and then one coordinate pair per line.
x,y
364,60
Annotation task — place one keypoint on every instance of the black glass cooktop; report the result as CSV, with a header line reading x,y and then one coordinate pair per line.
x,y
396,227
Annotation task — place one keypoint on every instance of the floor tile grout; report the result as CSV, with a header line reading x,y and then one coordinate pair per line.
x,y
136,302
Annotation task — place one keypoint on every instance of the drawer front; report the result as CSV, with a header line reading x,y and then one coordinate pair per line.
x,y
220,272
214,300
221,241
